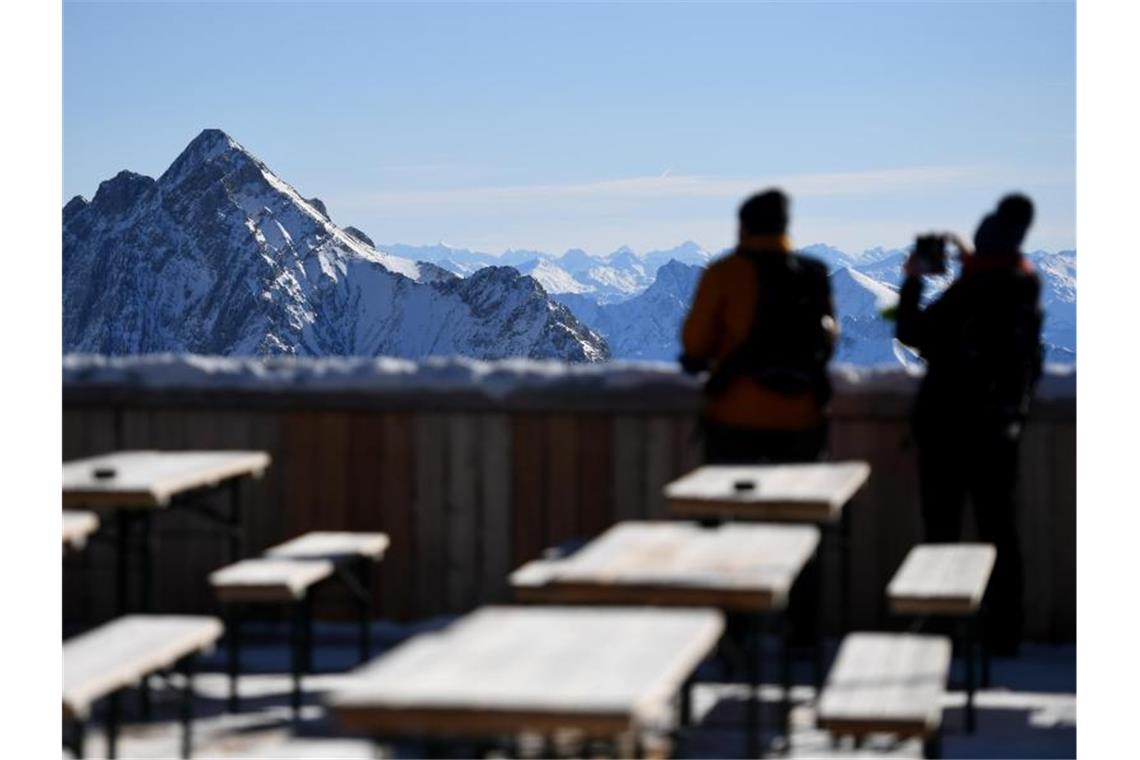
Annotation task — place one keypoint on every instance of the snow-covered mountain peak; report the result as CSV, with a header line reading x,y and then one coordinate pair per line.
x,y
222,256
861,293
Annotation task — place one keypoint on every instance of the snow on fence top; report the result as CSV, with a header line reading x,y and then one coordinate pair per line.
x,y
494,379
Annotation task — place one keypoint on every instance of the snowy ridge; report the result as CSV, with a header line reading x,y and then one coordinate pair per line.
x,y
495,379
222,256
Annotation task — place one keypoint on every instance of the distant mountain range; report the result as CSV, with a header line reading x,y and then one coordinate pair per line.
x,y
221,256
637,302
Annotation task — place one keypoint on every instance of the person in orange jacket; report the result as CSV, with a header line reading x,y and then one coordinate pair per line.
x,y
763,324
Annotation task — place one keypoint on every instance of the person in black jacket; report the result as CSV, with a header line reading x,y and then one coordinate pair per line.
x,y
981,342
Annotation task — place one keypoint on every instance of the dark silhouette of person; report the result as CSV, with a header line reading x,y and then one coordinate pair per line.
x,y
762,322
981,340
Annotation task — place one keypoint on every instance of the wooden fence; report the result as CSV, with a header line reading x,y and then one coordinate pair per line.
x,y
469,488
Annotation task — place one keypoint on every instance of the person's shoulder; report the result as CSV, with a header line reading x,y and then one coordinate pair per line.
x,y
729,265
813,266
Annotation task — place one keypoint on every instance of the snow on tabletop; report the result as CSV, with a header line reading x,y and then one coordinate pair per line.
x,y
496,379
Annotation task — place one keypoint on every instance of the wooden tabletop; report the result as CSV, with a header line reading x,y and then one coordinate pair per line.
x,y
502,670
151,478
734,566
942,579
814,492
886,682
124,650
77,526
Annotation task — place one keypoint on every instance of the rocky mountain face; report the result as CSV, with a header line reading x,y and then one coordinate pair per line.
x,y
647,326
221,256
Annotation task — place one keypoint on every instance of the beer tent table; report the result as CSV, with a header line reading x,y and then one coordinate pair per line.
x,y
745,569
134,486
501,671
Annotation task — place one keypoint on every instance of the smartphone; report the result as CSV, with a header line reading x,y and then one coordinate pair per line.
x,y
929,254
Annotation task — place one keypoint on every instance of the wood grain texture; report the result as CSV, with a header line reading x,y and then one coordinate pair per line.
x,y
463,518
528,480
739,567
811,492
886,682
431,513
121,652
733,566
942,579
629,471
148,479
510,669
495,550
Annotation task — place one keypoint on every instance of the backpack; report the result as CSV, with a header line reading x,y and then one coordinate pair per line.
x,y
788,346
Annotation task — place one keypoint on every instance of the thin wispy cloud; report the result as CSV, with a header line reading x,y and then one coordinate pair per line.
x,y
668,185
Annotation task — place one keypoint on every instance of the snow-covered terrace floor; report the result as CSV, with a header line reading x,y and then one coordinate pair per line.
x,y
1030,711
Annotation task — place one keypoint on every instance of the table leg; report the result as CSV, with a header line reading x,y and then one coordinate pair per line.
x,y
754,655
970,644
845,571
113,724
122,560
235,523
785,676
186,711
233,654
148,545
365,608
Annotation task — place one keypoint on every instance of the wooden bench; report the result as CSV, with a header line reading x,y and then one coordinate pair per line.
x,y
104,661
285,574
501,671
273,582
77,527
887,683
948,580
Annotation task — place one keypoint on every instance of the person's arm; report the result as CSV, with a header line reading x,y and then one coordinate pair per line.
x,y
701,333
910,325
827,302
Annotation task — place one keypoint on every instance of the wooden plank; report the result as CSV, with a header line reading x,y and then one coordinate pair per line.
x,y
884,682
495,481
658,465
462,523
509,669
595,474
335,546
265,579
430,513
398,483
528,478
121,652
809,492
562,479
736,566
151,478
629,467
332,445
942,579
300,486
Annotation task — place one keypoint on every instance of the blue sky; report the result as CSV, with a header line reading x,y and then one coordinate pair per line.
x,y
594,125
